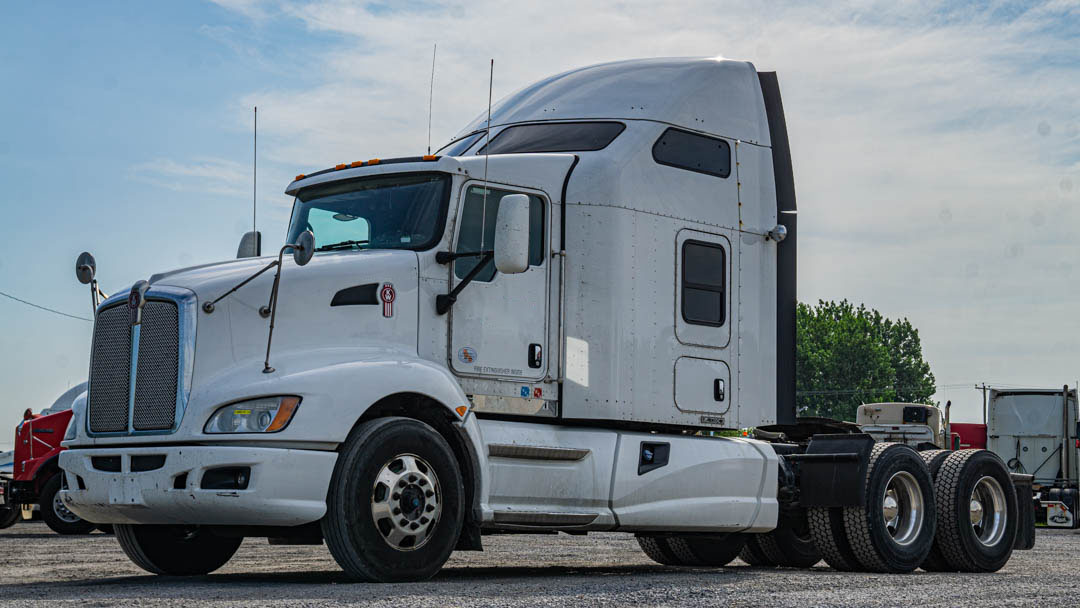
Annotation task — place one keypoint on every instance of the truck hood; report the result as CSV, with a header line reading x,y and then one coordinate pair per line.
x,y
334,303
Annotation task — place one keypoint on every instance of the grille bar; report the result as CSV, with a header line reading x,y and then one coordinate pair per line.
x,y
156,370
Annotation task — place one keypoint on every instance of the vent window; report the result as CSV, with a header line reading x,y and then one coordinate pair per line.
x,y
693,152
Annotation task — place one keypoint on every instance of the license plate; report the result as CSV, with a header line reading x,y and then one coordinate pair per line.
x,y
125,491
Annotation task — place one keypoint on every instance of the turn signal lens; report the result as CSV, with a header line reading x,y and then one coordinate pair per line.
x,y
284,414
461,409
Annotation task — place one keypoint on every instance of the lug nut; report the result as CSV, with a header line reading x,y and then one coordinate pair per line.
x,y
423,520
429,493
423,482
397,511
395,496
414,526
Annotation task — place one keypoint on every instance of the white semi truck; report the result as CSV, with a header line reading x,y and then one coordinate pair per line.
x,y
529,331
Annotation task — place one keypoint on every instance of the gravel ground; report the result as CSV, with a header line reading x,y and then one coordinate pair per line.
x,y
37,566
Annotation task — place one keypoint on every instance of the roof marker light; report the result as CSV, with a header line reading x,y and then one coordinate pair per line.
x,y
300,177
430,157
340,167
373,161
357,163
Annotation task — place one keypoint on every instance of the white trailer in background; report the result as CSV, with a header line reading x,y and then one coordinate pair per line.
x,y
526,332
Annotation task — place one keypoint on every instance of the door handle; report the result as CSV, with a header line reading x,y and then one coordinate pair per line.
x,y
718,390
536,355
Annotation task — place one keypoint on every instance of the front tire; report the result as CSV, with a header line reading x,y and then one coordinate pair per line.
x,y
9,515
56,514
394,510
175,550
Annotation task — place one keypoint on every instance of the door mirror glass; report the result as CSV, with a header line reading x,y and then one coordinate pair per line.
x,y
512,234
250,245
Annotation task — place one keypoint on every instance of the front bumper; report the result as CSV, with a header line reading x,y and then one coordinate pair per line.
x,y
287,487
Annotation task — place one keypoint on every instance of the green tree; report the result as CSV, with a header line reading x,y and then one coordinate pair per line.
x,y
846,356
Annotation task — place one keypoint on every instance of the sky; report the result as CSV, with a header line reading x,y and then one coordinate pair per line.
x,y
936,148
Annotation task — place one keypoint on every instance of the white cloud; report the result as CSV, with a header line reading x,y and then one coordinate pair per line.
x,y
934,148
206,175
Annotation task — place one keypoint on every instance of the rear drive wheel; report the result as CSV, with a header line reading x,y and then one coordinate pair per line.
x,y
830,538
790,544
9,515
395,504
934,561
977,505
893,530
752,554
658,550
56,514
709,552
175,550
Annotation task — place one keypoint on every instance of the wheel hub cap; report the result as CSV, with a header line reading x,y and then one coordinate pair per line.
x,y
406,502
62,511
902,508
987,509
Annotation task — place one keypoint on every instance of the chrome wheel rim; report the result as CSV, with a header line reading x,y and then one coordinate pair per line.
x,y
987,511
903,508
62,512
406,502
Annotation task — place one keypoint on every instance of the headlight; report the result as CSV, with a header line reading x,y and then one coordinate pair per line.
x,y
265,415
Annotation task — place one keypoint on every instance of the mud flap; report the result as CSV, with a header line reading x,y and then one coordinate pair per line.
x,y
1025,509
832,472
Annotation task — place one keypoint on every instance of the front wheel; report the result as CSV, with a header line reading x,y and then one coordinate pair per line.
x,y
175,550
394,510
56,514
9,515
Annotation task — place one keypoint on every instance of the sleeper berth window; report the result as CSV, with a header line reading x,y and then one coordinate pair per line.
x,y
693,152
703,274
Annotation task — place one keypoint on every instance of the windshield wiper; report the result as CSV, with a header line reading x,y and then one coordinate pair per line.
x,y
341,245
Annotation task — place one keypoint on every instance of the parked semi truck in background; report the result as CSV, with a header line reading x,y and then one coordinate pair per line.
x,y
530,331
34,478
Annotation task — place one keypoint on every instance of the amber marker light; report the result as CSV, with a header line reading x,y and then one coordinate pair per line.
x,y
284,414
430,157
373,161
340,167
357,163
461,409
300,177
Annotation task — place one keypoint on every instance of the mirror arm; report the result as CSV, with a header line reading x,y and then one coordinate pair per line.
x,y
271,308
445,257
445,301
208,307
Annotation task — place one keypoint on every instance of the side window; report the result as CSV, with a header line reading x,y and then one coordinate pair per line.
x,y
475,219
693,152
703,273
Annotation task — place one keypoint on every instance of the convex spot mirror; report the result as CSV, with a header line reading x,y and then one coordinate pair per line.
x,y
85,267
304,248
512,234
250,245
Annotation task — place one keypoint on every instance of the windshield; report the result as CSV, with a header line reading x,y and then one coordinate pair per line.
x,y
400,211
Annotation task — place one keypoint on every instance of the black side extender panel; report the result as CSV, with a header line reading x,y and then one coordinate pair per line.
x,y
361,295
832,472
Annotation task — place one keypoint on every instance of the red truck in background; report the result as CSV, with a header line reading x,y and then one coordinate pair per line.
x,y
34,478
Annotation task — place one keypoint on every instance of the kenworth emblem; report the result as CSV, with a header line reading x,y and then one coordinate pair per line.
x,y
387,295
135,301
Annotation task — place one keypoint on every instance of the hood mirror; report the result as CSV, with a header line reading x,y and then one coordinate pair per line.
x,y
250,245
85,268
304,248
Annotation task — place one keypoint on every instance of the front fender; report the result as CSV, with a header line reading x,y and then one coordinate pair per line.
x,y
336,386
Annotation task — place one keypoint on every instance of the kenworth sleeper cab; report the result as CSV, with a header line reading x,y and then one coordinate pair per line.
x,y
534,330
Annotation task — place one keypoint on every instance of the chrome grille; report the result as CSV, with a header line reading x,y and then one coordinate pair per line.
x,y
110,371
156,370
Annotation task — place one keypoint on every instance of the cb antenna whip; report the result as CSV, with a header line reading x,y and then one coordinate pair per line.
x,y
431,95
487,141
254,169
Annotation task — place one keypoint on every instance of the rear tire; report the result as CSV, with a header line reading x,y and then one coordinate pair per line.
x,y
658,550
753,555
707,552
968,477
893,531
9,515
394,510
175,550
830,538
934,561
790,544
56,514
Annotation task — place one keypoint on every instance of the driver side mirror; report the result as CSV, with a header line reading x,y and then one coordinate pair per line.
x,y
250,245
512,234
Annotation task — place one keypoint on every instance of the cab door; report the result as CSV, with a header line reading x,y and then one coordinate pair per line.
x,y
499,323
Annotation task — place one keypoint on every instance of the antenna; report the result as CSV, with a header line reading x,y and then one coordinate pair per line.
x,y
487,140
431,95
254,169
